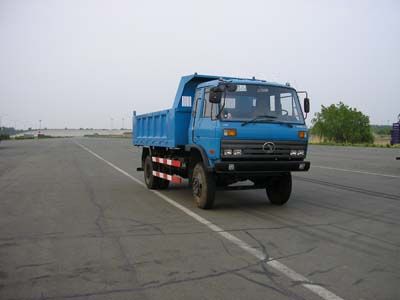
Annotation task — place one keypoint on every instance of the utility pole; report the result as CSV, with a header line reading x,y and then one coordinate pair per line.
x,y
40,125
111,123
123,123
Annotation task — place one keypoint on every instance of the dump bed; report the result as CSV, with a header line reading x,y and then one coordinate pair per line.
x,y
166,128
169,128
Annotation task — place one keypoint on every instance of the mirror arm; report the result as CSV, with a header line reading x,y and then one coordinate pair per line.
x,y
302,92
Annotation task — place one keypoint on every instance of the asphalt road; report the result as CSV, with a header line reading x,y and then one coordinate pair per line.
x,y
76,224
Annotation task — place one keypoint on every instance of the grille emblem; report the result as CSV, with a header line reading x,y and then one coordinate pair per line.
x,y
268,147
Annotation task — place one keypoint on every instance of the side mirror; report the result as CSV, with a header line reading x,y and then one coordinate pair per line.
x,y
306,105
230,87
215,94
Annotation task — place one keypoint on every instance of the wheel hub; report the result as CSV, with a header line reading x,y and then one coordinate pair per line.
x,y
197,186
147,173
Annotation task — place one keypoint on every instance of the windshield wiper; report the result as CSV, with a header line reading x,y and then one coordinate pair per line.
x,y
283,123
258,117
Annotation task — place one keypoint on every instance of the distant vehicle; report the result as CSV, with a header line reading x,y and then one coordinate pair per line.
x,y
395,132
223,130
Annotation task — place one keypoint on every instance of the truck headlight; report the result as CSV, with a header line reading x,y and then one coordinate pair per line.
x,y
300,152
296,153
227,152
237,151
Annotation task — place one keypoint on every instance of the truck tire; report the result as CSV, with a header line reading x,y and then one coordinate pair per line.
x,y
151,181
203,187
279,189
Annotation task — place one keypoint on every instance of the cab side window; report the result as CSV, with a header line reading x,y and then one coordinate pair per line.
x,y
197,96
209,109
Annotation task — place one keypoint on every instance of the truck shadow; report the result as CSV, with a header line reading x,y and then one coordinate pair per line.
x,y
225,200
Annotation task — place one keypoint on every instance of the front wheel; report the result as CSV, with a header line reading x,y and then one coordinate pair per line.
x,y
203,186
279,189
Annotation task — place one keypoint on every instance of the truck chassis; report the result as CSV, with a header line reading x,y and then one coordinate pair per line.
x,y
162,166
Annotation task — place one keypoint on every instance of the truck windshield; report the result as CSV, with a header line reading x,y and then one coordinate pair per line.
x,y
261,103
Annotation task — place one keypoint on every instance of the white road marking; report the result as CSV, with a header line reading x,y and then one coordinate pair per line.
x,y
293,275
355,171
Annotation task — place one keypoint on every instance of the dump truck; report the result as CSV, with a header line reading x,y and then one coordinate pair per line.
x,y
225,133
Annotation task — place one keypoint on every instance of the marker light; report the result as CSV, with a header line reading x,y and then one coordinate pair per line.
x,y
229,132
302,134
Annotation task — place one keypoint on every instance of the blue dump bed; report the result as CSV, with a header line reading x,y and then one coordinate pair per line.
x,y
166,128
169,128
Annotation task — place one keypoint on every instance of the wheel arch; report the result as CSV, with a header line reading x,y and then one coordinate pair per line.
x,y
198,154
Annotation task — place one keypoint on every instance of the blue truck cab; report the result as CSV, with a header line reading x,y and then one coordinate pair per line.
x,y
224,130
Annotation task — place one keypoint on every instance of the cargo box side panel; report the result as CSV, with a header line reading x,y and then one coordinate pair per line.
x,y
154,129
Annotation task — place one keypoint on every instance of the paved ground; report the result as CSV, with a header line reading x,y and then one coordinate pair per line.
x,y
72,226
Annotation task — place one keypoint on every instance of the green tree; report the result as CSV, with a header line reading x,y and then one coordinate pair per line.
x,y
381,129
342,124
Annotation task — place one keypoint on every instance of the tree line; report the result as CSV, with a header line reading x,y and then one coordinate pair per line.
x,y
340,123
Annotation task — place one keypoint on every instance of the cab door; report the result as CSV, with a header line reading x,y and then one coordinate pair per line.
x,y
204,130
196,112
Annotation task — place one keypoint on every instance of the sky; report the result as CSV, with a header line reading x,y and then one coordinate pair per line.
x,y
80,63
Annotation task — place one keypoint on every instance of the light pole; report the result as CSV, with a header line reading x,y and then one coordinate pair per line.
x,y
130,122
123,123
40,125
111,123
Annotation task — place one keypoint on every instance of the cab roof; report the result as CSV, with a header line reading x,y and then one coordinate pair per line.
x,y
189,83
214,80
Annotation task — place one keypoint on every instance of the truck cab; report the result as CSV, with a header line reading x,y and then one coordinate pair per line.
x,y
237,130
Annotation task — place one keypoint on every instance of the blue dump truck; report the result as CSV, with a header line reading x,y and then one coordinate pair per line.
x,y
225,130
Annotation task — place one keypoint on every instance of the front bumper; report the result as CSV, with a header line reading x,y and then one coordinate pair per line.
x,y
260,167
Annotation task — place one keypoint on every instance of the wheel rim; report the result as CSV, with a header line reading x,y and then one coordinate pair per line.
x,y
147,173
197,186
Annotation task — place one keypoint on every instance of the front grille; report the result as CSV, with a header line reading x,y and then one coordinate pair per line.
x,y
253,149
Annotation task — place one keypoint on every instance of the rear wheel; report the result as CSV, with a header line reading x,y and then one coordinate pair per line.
x,y
203,186
163,184
151,181
279,189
